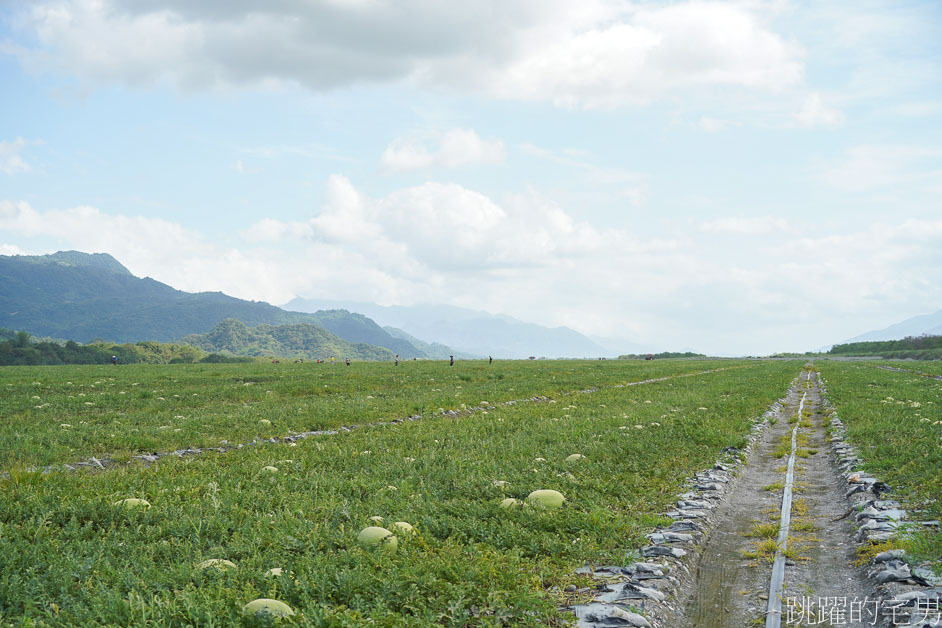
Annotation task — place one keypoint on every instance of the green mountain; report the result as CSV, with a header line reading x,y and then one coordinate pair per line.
x,y
298,340
355,327
82,297
76,258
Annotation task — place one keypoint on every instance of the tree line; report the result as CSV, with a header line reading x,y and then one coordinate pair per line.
x,y
914,347
20,349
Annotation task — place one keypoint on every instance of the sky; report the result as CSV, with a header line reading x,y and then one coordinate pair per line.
x,y
741,177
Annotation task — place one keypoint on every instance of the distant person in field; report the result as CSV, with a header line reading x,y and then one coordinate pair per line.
x,y
331,360
397,359
451,360
114,360
490,360
348,361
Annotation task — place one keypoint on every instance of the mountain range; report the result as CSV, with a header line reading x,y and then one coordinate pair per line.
x,y
922,325
81,296
472,332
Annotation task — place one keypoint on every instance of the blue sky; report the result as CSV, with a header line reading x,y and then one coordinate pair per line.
x,y
731,177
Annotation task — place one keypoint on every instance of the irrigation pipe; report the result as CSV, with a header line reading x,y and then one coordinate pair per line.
x,y
773,616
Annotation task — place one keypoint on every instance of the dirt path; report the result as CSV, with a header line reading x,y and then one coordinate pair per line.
x,y
732,579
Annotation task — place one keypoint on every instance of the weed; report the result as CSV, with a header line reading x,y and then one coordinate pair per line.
x,y
763,551
765,530
803,525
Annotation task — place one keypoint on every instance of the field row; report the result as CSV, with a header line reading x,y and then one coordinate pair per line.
x,y
71,556
62,414
895,419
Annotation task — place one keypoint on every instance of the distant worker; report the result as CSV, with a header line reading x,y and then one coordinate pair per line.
x,y
348,361
397,359
331,360
490,360
114,360
451,361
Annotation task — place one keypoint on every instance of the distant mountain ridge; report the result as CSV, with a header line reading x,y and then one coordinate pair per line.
x,y
470,331
76,258
81,296
434,350
922,325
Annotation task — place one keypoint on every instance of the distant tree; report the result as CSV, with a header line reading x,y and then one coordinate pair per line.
x,y
21,341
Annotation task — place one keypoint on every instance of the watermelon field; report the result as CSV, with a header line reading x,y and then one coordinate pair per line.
x,y
204,535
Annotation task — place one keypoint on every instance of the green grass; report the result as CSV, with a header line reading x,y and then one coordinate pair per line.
x,y
72,558
763,530
895,421
130,409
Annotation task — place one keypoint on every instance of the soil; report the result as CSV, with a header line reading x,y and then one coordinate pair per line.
x,y
730,587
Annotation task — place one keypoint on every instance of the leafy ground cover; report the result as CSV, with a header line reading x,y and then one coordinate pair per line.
x,y
72,557
895,419
927,367
65,413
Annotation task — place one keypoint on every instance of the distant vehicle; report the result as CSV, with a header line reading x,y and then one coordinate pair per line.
x,y
532,357
650,356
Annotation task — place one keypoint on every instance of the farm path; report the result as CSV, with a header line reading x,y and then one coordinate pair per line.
x,y
733,580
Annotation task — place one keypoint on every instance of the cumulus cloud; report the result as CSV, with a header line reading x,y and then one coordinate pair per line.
x,y
10,160
525,256
649,50
439,227
593,54
456,147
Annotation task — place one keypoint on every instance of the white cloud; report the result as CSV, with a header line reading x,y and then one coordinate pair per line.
x,y
593,54
526,256
644,52
814,113
883,267
11,249
444,227
746,226
456,147
150,247
10,160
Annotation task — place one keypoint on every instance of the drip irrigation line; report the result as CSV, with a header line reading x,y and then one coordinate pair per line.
x,y
773,616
